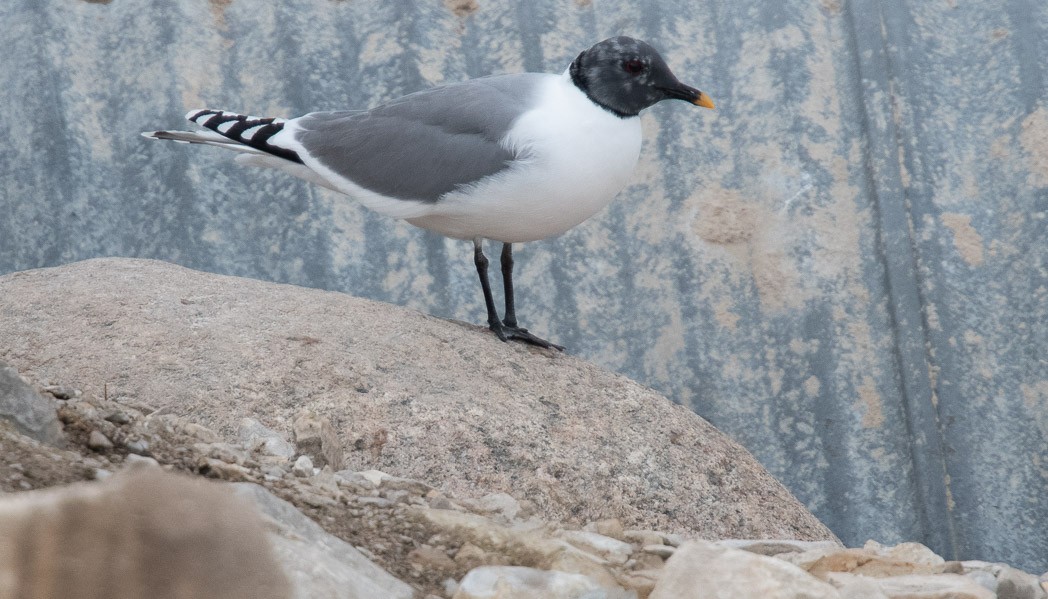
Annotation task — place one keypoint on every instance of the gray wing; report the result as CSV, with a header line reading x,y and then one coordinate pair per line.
x,y
426,144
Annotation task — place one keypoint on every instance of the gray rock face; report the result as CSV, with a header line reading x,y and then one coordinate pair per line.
x,y
411,395
31,413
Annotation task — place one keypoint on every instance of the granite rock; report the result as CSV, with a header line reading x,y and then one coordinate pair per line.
x,y
579,442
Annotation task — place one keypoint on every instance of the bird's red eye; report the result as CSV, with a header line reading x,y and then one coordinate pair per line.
x,y
633,67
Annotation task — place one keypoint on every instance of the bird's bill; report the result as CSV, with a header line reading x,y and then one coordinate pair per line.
x,y
704,101
687,93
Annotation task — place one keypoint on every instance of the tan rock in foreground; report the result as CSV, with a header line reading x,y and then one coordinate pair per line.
x,y
408,394
142,534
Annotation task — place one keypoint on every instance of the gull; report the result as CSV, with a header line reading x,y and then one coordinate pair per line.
x,y
507,158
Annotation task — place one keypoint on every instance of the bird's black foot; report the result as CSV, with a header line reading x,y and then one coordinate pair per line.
x,y
514,333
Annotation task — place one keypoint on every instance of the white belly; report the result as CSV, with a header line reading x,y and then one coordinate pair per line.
x,y
575,160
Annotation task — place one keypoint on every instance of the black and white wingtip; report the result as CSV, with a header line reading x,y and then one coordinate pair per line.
x,y
251,131
233,131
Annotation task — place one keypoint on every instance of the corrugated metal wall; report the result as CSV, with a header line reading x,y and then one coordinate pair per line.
x,y
843,267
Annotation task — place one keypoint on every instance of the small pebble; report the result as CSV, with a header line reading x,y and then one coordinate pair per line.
x,y
226,452
643,537
202,433
303,467
100,474
396,496
99,442
985,579
59,392
273,471
138,446
355,479
673,540
663,551
375,501
118,417
133,459
611,527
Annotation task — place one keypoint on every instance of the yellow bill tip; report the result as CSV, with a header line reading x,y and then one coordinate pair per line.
x,y
704,101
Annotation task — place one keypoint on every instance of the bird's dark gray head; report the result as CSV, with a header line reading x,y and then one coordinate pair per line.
x,y
625,75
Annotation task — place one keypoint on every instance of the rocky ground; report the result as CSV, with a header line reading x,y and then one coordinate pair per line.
x,y
385,536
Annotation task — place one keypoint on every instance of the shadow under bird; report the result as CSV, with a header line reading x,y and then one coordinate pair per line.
x,y
510,158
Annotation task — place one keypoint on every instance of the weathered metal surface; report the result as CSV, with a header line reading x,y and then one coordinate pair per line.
x,y
843,267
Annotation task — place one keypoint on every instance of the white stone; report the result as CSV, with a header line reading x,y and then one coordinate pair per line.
x,y
515,582
257,437
613,550
700,569
906,552
99,442
136,460
375,476
502,503
303,467
934,586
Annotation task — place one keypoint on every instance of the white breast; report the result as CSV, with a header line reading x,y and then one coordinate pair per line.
x,y
575,157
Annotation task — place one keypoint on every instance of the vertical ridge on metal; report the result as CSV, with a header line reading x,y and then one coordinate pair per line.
x,y
870,34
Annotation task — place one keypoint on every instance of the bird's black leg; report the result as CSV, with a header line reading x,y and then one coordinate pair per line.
x,y
510,327
505,329
481,261
507,285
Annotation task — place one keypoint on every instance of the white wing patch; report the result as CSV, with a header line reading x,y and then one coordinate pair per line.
x,y
249,133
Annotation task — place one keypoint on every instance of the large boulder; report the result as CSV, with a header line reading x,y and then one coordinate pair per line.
x,y
408,394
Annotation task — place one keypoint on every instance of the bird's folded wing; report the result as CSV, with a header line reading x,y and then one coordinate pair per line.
x,y
423,145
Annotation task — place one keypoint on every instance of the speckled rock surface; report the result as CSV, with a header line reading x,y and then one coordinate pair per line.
x,y
409,394
843,267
